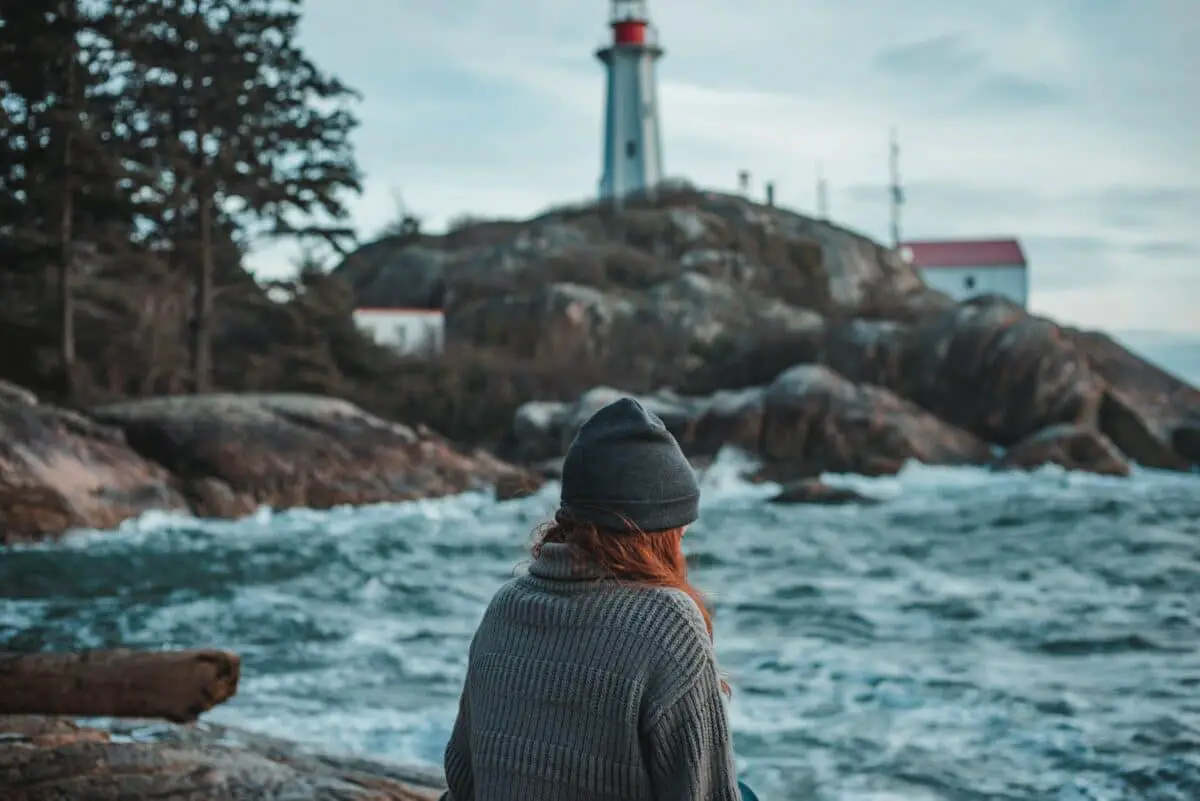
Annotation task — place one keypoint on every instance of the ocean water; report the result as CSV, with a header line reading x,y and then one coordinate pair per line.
x,y
974,636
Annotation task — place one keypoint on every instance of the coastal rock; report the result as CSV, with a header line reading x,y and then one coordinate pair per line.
x,y
543,430
867,351
810,420
1151,415
297,450
730,418
815,421
658,335
677,413
819,493
1072,446
60,470
798,260
989,367
43,758
536,434
558,322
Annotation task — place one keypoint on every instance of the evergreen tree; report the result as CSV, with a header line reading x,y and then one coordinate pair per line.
x,y
57,174
249,135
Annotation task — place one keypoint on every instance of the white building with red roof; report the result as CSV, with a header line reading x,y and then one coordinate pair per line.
x,y
967,268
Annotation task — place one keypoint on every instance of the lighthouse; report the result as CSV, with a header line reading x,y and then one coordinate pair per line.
x,y
632,154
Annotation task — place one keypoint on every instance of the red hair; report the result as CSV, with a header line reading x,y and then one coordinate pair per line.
x,y
652,559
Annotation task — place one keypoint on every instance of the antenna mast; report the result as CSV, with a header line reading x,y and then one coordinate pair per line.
x,y
822,193
897,192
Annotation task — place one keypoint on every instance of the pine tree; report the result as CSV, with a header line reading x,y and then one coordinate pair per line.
x,y
251,137
51,157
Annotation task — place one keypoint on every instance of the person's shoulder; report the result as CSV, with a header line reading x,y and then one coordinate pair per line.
x,y
509,592
669,630
676,609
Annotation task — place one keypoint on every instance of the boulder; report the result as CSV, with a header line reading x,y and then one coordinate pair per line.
x,y
729,418
816,421
536,434
676,412
989,367
1072,446
819,493
1152,416
47,757
59,470
295,450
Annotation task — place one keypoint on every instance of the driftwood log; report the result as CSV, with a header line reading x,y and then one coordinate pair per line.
x,y
172,685
53,759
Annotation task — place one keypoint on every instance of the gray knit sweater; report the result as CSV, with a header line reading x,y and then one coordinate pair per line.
x,y
580,688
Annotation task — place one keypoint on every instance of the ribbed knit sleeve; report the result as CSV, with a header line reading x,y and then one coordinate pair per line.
x,y
689,747
459,777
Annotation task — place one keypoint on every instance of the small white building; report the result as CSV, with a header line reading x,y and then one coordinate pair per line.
x,y
968,268
413,332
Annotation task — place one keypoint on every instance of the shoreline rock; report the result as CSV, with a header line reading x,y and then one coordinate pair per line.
x,y
51,757
218,455
818,493
981,383
60,470
1074,447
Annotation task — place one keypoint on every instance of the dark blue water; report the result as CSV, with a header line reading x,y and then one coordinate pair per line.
x,y
976,636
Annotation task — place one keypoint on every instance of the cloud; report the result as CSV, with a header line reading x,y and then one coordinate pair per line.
x,y
938,57
1006,92
1069,125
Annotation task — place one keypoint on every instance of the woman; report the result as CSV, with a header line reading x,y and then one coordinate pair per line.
x,y
594,677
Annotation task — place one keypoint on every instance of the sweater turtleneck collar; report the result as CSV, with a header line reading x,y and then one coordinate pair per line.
x,y
556,561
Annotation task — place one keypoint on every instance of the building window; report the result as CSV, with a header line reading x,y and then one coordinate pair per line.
x,y
969,282
630,149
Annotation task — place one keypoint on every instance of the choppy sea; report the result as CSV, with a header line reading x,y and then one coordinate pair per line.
x,y
975,636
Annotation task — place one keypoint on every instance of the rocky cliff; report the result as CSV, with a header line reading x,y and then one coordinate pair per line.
x,y
826,352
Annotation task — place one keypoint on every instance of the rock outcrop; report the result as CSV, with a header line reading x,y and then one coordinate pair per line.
x,y
1151,415
295,450
797,260
817,493
816,421
1074,447
46,757
62,470
217,456
647,298
810,420
1003,374
865,396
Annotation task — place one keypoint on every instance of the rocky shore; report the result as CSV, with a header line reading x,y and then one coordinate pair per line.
x,y
979,383
45,757
810,347
128,752
216,456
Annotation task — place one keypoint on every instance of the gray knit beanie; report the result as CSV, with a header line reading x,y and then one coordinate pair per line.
x,y
624,472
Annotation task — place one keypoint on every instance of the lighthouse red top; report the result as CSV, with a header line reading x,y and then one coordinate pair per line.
x,y
629,22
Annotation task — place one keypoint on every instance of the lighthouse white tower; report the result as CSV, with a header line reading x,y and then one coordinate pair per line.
x,y
632,137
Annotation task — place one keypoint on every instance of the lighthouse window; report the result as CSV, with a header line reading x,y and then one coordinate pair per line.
x,y
969,282
630,149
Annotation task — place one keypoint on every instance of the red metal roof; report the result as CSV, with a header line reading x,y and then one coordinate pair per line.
x,y
964,253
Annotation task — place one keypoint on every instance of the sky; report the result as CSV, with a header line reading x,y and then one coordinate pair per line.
x,y
1073,125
